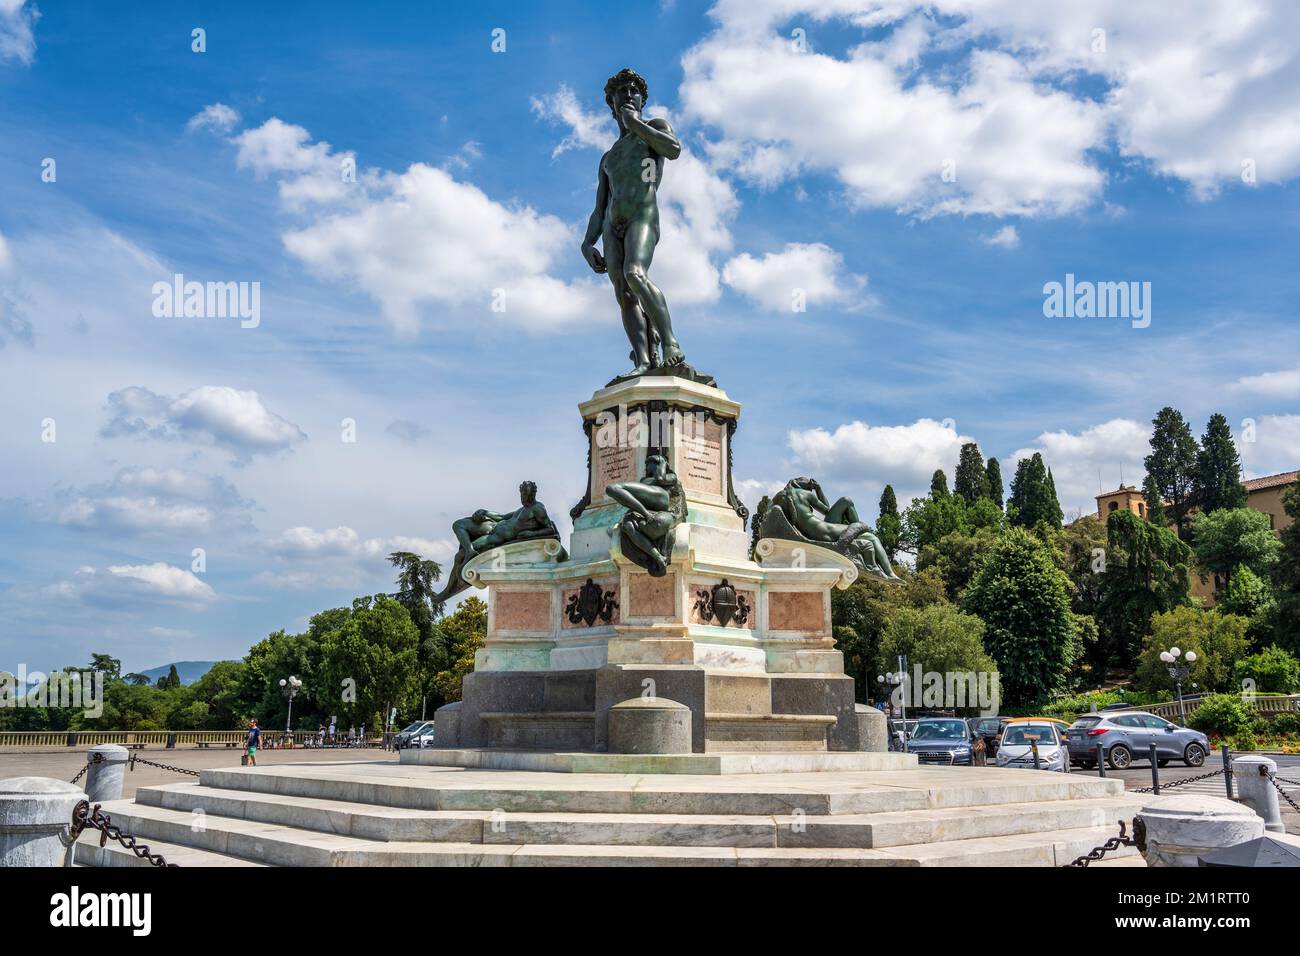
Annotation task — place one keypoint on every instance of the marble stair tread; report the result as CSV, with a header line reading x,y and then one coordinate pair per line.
x,y
432,788
88,852
365,821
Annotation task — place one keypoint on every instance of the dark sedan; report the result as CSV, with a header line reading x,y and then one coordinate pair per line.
x,y
941,740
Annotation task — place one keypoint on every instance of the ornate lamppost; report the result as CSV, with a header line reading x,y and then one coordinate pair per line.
x,y
290,688
890,682
1178,671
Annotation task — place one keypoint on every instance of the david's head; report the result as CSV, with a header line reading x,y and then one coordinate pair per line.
x,y
623,88
527,492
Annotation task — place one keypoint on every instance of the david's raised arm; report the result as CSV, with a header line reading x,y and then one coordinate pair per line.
x,y
655,133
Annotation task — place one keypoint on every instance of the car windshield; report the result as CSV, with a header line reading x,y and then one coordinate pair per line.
x,y
940,730
1023,735
987,726
1085,723
414,727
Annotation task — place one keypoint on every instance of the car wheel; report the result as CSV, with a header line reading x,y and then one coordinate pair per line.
x,y
1119,757
1194,755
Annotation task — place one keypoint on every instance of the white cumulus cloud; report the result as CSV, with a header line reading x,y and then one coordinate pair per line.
x,y
811,273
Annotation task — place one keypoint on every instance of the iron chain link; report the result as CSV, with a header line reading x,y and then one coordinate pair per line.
x,y
84,815
1114,843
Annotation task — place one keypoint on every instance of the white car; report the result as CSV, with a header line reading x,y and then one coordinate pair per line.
x,y
1016,749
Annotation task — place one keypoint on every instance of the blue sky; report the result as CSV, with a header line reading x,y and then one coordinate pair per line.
x,y
1160,150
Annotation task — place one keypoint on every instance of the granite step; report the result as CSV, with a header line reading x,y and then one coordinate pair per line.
x,y
246,841
88,852
771,795
846,830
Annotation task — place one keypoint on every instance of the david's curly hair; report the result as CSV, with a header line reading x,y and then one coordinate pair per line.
x,y
625,74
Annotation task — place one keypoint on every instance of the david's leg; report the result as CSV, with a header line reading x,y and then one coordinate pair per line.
x,y
638,251
634,320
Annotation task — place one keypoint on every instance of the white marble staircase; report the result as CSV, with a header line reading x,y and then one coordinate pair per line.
x,y
381,814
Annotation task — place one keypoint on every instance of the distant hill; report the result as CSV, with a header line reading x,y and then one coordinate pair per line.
x,y
189,671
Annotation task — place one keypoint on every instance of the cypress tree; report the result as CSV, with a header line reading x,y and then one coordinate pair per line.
x,y
1218,469
889,525
1172,464
1052,512
938,485
971,480
994,473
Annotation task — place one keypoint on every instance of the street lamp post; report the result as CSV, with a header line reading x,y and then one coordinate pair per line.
x,y
889,683
290,688
1178,671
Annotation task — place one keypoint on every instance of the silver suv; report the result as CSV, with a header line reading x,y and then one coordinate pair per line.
x,y
1128,735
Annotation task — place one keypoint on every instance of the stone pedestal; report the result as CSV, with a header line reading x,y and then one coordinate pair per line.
x,y
1254,789
1181,829
568,640
35,818
105,772
650,725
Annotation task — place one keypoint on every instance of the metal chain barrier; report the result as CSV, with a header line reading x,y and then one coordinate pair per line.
x,y
1114,843
1273,779
94,758
1178,783
84,815
161,766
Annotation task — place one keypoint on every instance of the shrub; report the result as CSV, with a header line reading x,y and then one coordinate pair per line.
x,y
1288,723
1222,715
1241,743
1273,670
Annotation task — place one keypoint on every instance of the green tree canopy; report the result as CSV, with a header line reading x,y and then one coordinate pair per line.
x,y
860,613
940,639
1172,464
938,484
1235,537
1033,495
889,525
1023,598
1219,641
1146,573
971,481
994,474
1218,469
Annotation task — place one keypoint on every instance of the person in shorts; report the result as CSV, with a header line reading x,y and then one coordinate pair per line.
x,y
254,739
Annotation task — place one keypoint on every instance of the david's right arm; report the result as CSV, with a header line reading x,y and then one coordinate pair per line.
x,y
596,223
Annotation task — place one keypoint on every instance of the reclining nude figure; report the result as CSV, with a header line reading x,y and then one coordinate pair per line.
x,y
655,506
800,511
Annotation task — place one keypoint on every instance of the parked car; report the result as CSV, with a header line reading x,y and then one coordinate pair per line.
x,y
423,737
941,740
1016,748
1129,735
900,731
403,736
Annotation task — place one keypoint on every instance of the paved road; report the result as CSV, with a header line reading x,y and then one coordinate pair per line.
x,y
64,763
1288,766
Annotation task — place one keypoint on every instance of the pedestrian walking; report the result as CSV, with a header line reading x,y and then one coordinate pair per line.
x,y
254,739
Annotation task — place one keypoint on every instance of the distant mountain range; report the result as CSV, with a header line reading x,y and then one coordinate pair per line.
x,y
189,671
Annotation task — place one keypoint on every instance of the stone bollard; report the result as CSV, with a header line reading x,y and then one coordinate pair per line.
x,y
1256,791
1180,829
446,725
35,818
873,734
105,770
649,725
